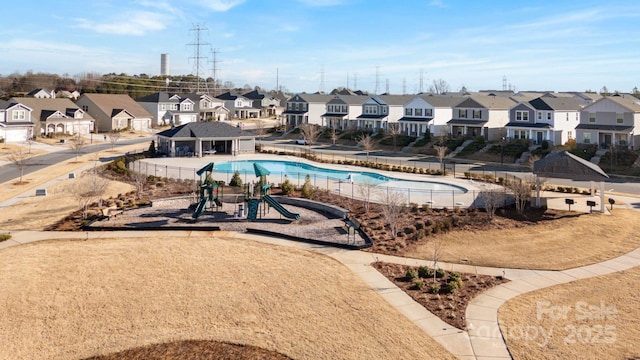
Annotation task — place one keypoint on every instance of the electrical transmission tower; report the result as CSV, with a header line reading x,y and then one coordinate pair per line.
x,y
322,78
377,80
214,71
197,53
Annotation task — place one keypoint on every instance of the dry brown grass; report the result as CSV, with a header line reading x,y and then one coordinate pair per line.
x,y
552,245
8,149
39,212
40,177
612,336
74,299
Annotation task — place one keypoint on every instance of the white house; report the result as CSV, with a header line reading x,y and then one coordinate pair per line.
x,y
306,109
342,111
481,115
547,118
57,116
15,122
612,120
169,109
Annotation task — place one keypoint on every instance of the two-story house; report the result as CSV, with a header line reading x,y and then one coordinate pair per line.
x,y
268,104
239,106
305,109
612,120
546,118
208,108
57,116
15,122
481,115
342,111
113,112
169,109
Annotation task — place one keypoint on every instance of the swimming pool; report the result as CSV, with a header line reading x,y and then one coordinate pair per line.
x,y
296,170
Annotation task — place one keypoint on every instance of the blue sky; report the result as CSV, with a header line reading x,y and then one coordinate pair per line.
x,y
538,45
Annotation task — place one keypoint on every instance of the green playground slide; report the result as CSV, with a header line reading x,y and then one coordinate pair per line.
x,y
279,208
201,205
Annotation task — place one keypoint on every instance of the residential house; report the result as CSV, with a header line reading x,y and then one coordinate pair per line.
x,y
481,115
306,109
114,112
169,109
57,116
547,118
342,111
205,138
41,94
239,106
269,104
612,120
417,115
73,95
16,125
208,107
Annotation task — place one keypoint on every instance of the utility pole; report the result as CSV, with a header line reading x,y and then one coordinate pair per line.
x,y
214,71
377,80
322,78
197,54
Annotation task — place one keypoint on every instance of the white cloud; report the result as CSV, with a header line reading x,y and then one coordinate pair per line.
x,y
219,5
136,23
437,3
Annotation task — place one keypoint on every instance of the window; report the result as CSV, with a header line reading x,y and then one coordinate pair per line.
x,y
289,106
570,134
329,108
462,113
619,118
304,107
384,109
428,112
163,107
408,111
85,108
418,112
549,115
19,114
297,106
343,108
188,107
520,134
477,114
370,109
592,117
539,115
586,138
522,115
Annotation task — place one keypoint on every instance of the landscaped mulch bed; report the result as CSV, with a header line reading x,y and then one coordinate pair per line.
x,y
448,306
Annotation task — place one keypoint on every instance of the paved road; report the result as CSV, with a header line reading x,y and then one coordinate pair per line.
x,y
10,172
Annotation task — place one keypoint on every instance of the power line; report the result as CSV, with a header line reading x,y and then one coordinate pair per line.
x,y
196,51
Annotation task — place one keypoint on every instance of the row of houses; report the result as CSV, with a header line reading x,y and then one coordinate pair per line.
x,y
552,117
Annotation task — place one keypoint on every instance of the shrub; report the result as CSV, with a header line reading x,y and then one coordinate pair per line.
x,y
440,273
418,285
5,237
236,180
434,289
409,230
307,188
287,187
424,272
411,275
451,287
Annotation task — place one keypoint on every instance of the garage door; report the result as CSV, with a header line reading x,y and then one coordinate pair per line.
x,y
16,135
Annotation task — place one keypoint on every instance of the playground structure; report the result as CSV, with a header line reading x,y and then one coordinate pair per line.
x,y
264,199
208,193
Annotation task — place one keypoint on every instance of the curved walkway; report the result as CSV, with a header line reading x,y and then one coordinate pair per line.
x,y
483,340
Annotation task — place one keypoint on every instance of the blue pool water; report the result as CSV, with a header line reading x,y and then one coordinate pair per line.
x,y
295,170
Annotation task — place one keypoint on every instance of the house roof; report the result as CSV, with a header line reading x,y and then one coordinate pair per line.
x,y
620,128
493,102
316,98
396,99
49,106
254,95
214,129
440,101
409,118
108,102
467,122
158,98
625,102
522,124
555,104
565,165
372,116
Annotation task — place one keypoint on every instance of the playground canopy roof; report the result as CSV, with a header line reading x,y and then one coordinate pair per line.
x,y
565,165
206,168
260,170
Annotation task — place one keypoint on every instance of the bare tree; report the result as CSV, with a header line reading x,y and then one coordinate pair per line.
x,y
441,150
393,130
366,189
437,250
492,199
394,204
521,190
87,189
77,144
20,160
139,181
334,135
114,136
367,143
439,86
309,133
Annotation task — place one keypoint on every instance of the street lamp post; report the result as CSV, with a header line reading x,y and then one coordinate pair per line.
x,y
502,150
